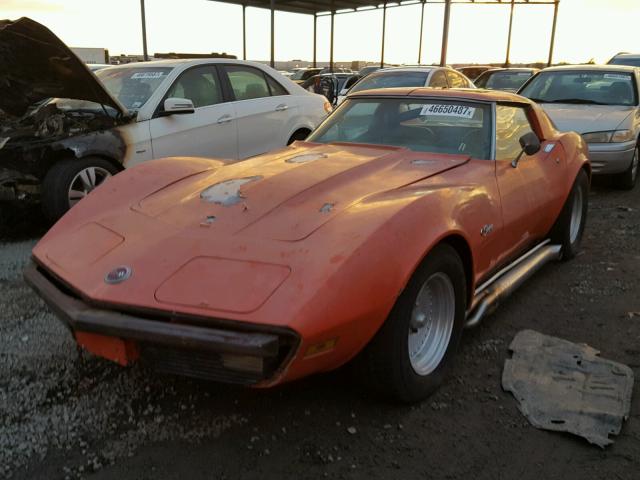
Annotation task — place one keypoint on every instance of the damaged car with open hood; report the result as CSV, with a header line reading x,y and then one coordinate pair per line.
x,y
64,130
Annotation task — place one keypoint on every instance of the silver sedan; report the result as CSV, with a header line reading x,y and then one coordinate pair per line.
x,y
600,102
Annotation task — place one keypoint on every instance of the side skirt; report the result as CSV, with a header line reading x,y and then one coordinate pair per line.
x,y
488,296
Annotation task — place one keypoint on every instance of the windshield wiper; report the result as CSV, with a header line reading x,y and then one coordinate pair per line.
x,y
577,101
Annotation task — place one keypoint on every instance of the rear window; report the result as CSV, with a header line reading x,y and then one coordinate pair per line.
x,y
421,125
503,80
631,61
391,80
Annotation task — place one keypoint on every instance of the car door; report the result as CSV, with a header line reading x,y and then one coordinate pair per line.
x,y
529,192
210,131
263,110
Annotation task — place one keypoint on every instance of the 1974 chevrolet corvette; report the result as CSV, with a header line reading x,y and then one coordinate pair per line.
x,y
406,216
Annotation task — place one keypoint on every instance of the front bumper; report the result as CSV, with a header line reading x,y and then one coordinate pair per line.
x,y
610,158
239,355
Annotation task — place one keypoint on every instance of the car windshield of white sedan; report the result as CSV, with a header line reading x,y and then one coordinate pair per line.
x,y
582,87
423,125
391,80
133,86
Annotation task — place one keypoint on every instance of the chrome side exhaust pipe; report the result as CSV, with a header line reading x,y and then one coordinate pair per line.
x,y
489,295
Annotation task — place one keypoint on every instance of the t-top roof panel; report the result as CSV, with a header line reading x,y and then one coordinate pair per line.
x,y
312,7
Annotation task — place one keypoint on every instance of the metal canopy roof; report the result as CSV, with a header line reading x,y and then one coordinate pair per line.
x,y
325,7
319,8
309,7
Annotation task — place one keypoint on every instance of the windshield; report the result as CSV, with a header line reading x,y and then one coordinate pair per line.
x,y
631,61
390,80
502,80
587,87
133,86
419,124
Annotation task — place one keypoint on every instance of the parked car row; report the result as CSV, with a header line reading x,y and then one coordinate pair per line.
x,y
408,213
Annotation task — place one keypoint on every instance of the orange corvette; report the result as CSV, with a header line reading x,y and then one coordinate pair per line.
x,y
406,216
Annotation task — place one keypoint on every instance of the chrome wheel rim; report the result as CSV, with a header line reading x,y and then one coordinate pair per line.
x,y
634,165
576,216
84,182
431,323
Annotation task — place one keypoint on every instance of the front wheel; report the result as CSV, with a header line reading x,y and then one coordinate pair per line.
x,y
570,225
627,179
409,357
69,181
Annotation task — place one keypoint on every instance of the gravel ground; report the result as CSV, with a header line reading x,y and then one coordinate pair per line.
x,y
68,415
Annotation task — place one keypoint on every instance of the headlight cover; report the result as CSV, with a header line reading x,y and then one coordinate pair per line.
x,y
614,136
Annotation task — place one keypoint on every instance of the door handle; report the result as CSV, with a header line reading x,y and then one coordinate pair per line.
x,y
225,119
281,108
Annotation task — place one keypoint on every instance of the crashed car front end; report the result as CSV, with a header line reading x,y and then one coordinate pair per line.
x,y
52,107
29,145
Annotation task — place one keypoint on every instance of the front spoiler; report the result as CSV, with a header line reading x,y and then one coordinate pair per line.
x,y
174,339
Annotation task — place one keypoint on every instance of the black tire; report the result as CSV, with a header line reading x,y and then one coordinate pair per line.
x,y
563,233
301,134
627,179
385,364
60,177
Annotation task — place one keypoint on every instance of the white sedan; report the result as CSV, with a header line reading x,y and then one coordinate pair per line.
x,y
213,108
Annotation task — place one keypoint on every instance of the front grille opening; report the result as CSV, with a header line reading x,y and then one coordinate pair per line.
x,y
213,366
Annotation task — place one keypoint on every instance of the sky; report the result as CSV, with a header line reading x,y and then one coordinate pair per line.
x,y
586,30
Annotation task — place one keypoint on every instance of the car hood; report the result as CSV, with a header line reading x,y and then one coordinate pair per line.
x,y
287,197
50,69
586,118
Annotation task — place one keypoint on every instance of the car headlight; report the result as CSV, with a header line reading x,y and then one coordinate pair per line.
x,y
620,136
597,137
615,136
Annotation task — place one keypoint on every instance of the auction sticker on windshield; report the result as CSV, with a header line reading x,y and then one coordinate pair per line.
x,y
617,76
445,110
147,75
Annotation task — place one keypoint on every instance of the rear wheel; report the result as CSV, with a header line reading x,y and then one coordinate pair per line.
x,y
69,181
409,357
627,179
570,225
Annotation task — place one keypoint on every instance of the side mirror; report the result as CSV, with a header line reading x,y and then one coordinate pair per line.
x,y
177,106
530,144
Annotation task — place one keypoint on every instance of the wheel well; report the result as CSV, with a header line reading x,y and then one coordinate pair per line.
x,y
69,155
299,134
460,245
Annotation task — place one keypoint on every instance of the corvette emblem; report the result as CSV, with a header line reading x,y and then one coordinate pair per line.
x,y
118,275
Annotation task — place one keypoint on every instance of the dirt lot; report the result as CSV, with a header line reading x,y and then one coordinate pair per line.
x,y
63,415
